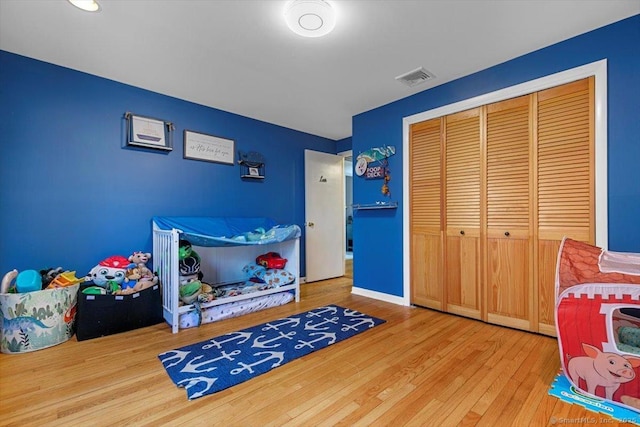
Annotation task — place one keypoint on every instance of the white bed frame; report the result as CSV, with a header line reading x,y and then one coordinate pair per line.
x,y
219,265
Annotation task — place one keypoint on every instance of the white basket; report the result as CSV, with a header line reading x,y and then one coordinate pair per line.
x,y
35,320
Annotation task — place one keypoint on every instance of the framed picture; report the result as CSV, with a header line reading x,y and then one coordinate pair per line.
x,y
148,132
209,148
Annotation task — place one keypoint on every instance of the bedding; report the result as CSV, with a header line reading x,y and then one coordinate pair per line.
x,y
215,232
195,317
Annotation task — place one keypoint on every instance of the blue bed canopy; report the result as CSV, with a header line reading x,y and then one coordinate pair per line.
x,y
228,231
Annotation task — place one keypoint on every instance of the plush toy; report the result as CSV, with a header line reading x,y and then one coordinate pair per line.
x,y
131,277
191,288
184,249
147,277
190,275
138,276
109,273
140,257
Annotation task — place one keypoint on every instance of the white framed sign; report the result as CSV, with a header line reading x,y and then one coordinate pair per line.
x,y
209,148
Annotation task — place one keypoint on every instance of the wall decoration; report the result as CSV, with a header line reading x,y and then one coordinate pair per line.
x,y
209,148
374,164
149,132
251,165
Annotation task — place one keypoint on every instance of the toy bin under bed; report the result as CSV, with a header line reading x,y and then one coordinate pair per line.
x,y
37,320
227,248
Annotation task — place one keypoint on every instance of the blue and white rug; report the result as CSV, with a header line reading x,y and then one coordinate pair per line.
x,y
219,363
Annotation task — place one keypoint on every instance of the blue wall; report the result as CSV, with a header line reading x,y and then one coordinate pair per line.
x,y
72,193
343,145
378,234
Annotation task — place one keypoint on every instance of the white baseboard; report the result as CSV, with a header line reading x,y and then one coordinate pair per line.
x,y
378,295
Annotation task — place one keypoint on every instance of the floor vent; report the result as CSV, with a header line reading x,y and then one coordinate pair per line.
x,y
415,77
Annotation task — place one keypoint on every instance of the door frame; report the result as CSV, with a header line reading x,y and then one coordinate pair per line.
x,y
347,154
340,197
596,69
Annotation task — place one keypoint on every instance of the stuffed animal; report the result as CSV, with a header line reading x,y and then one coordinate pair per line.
x,y
132,275
147,277
138,276
140,257
184,249
109,272
191,287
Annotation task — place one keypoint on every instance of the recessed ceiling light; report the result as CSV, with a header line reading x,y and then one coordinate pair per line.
x,y
88,5
310,18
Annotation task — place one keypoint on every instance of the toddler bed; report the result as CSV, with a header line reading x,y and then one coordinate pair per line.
x,y
227,248
598,321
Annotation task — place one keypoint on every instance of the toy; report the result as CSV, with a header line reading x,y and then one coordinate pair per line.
x,y
7,280
68,278
598,321
185,249
138,276
48,275
191,288
28,281
112,269
598,368
139,257
94,290
190,276
271,260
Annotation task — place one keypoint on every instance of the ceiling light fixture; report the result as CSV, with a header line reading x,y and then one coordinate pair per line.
x,y
88,5
310,18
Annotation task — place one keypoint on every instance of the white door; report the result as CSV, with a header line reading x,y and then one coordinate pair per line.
x,y
324,212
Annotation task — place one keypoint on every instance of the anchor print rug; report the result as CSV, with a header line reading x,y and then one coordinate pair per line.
x,y
219,363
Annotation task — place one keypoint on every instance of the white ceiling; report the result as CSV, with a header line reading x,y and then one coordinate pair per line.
x,y
239,55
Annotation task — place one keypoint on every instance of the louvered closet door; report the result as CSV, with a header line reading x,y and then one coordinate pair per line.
x,y
509,248
566,188
462,214
425,214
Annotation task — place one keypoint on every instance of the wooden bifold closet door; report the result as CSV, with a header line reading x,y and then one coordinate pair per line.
x,y
493,191
425,184
508,251
565,182
462,213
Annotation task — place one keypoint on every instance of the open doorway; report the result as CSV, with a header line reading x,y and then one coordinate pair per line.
x,y
348,203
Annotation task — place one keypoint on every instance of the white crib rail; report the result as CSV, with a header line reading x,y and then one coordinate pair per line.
x,y
165,261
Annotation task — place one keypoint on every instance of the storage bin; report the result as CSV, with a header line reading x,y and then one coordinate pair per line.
x,y
101,315
36,320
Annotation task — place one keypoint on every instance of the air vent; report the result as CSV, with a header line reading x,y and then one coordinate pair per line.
x,y
415,77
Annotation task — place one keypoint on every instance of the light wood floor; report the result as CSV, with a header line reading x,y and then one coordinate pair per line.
x,y
421,368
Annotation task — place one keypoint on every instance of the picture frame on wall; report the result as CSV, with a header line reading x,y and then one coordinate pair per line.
x,y
148,132
208,148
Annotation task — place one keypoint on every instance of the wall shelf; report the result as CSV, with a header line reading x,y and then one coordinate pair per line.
x,y
376,205
251,165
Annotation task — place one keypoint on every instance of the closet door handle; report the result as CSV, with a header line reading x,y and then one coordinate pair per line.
x,y
462,232
506,233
